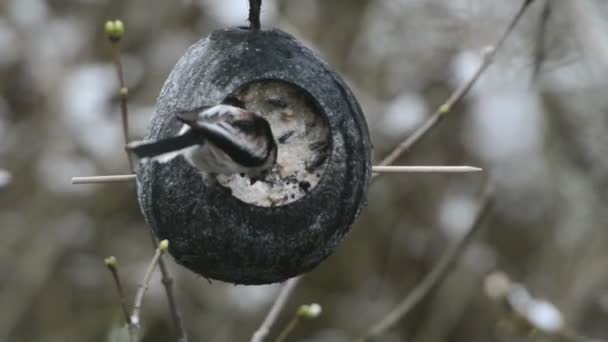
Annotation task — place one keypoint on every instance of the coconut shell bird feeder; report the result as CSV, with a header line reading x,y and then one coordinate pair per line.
x,y
223,227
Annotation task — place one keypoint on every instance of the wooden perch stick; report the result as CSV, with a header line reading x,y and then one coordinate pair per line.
x,y
377,169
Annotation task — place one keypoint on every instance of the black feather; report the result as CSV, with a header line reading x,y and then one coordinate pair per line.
x,y
172,144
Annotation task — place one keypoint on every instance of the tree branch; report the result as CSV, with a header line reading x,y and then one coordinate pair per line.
x,y
456,96
311,311
115,31
275,311
540,40
143,286
167,281
112,265
435,277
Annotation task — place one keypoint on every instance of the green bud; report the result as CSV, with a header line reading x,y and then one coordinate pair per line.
x,y
109,28
164,245
311,311
124,92
111,262
119,28
115,30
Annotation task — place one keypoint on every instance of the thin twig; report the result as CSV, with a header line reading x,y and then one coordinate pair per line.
x,y
255,8
288,328
115,32
167,281
456,96
277,308
435,277
112,265
541,35
310,311
143,286
123,91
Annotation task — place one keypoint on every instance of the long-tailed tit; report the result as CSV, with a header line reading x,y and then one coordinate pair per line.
x,y
221,139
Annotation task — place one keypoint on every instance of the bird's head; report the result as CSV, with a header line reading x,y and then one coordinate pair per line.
x,y
244,135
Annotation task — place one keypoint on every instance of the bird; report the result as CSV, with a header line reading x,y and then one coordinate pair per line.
x,y
220,139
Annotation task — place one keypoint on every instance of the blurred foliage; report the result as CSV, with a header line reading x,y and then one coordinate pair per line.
x,y
544,140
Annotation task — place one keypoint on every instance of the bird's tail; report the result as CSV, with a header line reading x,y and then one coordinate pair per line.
x,y
152,149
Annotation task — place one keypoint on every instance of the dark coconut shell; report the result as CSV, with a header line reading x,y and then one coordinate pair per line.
x,y
219,236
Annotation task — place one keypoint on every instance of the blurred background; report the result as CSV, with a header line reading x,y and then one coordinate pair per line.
x,y
540,129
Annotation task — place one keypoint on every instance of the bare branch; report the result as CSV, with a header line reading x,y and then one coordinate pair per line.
x,y
311,311
288,328
115,31
167,281
540,44
435,277
112,265
456,96
275,311
143,286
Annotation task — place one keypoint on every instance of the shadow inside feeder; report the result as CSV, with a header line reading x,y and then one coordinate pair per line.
x,y
302,135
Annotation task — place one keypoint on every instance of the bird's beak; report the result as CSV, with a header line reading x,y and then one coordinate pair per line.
x,y
188,117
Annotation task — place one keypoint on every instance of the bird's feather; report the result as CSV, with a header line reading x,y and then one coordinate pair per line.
x,y
158,147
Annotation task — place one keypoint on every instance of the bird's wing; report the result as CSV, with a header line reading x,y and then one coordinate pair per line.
x,y
215,120
143,149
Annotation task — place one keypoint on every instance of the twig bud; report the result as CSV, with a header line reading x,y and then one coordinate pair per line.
x,y
311,311
445,108
115,30
163,245
111,262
